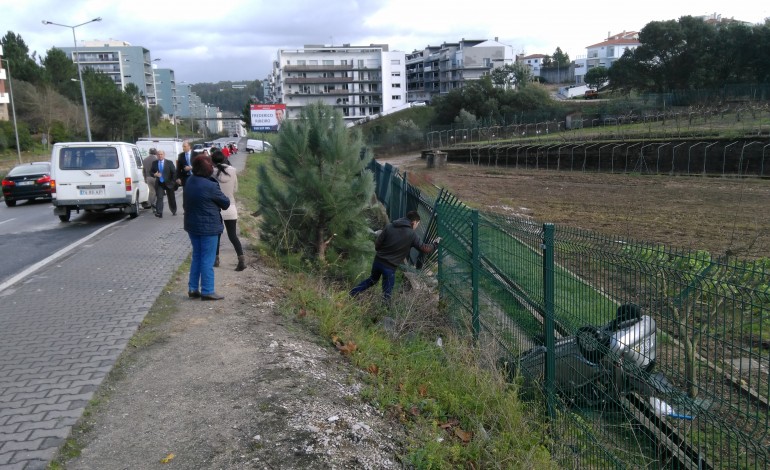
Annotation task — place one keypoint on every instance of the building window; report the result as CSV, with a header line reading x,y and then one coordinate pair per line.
x,y
328,62
395,62
395,85
611,51
395,74
396,97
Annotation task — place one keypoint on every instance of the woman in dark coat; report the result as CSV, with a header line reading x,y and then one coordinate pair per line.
x,y
202,201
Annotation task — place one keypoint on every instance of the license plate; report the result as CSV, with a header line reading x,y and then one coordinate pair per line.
x,y
92,192
25,183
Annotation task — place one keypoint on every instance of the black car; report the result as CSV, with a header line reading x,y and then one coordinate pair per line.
x,y
27,181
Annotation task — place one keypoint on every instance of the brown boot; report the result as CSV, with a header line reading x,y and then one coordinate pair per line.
x,y
216,262
241,263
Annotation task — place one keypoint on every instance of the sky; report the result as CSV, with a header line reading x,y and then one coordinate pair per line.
x,y
237,40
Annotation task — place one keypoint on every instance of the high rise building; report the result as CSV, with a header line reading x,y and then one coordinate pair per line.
x,y
360,81
119,60
440,69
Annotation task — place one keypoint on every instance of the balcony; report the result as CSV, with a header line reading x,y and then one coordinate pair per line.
x,y
316,68
316,80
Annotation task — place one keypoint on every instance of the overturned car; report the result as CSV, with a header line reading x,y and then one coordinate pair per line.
x,y
600,362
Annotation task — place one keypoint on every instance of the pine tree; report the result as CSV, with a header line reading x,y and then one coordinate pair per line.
x,y
314,202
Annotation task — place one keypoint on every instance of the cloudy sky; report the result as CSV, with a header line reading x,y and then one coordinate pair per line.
x,y
237,39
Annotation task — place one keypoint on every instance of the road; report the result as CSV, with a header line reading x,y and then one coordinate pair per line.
x,y
71,296
30,232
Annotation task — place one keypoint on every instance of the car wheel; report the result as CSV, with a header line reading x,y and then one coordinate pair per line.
x,y
65,217
10,203
134,213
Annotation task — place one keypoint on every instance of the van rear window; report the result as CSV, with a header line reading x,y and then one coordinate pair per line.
x,y
88,158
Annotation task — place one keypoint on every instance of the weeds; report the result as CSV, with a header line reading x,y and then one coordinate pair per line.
x,y
458,411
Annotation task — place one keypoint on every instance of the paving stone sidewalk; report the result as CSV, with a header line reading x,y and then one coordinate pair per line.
x,y
62,329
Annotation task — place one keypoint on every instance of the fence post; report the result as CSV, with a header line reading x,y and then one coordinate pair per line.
x,y
476,267
548,328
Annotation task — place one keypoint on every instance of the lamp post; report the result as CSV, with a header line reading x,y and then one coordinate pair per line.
x,y
13,109
77,64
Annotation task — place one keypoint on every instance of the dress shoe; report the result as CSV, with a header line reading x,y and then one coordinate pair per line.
x,y
160,216
193,294
212,297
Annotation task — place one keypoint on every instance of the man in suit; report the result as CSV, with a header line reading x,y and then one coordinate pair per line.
x,y
148,178
184,163
163,171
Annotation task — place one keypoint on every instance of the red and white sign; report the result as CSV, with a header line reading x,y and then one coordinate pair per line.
x,y
267,117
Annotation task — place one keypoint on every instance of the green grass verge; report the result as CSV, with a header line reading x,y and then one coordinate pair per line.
x,y
457,412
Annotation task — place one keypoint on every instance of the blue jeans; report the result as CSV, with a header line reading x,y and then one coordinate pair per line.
x,y
379,269
204,250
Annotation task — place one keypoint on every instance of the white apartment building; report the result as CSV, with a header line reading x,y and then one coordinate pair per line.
x,y
5,96
360,81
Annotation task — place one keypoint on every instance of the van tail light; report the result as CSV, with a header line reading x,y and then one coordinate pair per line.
x,y
128,185
53,186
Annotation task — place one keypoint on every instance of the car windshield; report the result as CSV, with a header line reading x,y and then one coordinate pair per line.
x,y
31,169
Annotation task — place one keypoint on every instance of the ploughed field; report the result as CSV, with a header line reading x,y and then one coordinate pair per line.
x,y
718,214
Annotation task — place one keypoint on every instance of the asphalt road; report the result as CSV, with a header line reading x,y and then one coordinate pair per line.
x,y
30,232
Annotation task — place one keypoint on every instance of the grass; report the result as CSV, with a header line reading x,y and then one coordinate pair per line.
x,y
457,412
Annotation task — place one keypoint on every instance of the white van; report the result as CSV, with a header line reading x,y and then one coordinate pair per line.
x,y
254,145
95,176
171,145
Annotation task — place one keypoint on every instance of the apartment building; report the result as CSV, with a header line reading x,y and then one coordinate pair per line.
x,y
119,60
165,90
533,61
5,96
440,69
360,81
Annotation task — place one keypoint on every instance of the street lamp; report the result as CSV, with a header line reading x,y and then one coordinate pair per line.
x,y
77,64
13,109
147,112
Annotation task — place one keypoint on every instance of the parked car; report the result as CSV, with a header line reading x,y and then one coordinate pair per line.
x,y
591,94
254,145
96,176
26,182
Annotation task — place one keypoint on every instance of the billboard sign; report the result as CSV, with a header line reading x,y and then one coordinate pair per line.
x,y
267,117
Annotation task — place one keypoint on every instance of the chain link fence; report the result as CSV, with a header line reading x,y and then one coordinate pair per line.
x,y
636,355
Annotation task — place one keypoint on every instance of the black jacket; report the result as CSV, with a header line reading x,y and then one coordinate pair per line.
x,y
168,173
396,240
181,162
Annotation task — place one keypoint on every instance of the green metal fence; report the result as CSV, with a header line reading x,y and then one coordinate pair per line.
x,y
639,355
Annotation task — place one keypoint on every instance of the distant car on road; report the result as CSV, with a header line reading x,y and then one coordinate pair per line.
x,y
591,94
26,182
254,145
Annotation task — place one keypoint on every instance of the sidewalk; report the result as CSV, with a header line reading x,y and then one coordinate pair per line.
x,y
234,384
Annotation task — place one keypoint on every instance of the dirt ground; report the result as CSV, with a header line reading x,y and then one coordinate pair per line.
x,y
234,384
714,214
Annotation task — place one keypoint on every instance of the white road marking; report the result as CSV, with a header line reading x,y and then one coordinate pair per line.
x,y
54,256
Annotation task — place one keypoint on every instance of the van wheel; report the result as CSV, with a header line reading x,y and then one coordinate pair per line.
x,y
65,217
134,213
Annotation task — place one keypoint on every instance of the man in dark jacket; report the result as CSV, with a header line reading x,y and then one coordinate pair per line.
x,y
163,171
393,245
